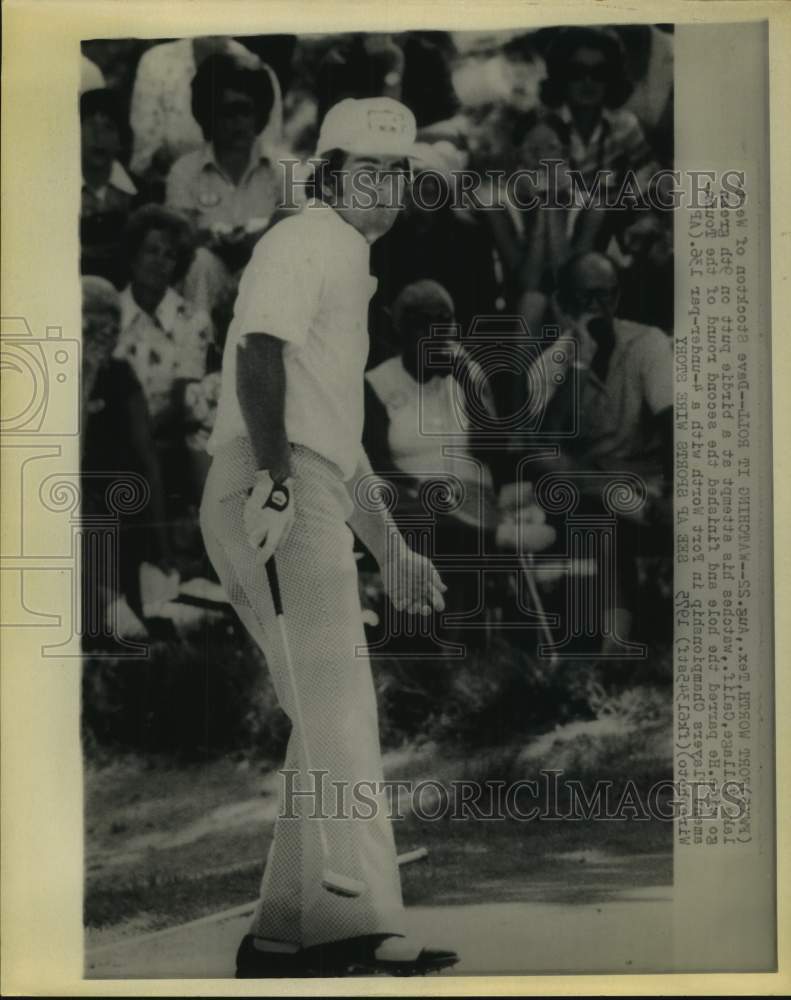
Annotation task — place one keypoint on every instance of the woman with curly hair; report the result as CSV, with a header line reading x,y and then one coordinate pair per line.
x,y
163,337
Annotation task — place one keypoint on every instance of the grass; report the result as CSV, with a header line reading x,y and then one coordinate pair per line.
x,y
181,783
167,844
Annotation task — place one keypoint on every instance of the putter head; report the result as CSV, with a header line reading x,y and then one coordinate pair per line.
x,y
340,885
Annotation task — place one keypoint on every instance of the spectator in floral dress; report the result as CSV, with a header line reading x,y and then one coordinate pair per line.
x,y
163,337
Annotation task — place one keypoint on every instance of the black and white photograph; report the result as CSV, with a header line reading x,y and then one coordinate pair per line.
x,y
422,474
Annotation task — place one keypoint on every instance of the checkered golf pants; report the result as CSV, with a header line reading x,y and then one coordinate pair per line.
x,y
318,579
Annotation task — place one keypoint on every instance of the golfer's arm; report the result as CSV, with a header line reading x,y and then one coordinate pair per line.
x,y
371,520
261,389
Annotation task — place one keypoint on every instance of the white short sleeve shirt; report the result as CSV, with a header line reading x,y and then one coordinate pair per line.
x,y
616,415
308,284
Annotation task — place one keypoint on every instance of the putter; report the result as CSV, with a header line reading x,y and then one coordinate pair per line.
x,y
532,586
332,881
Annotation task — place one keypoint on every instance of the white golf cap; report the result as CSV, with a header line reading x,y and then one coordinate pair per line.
x,y
378,126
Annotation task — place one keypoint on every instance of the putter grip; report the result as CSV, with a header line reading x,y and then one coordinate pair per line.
x,y
274,586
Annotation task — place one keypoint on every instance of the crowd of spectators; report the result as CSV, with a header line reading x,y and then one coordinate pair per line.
x,y
183,151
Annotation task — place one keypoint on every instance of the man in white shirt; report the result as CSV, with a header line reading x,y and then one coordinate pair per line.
x,y
623,397
289,472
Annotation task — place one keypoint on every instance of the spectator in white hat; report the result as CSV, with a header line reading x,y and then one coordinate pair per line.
x,y
289,476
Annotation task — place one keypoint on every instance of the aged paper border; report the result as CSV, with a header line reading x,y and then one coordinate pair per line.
x,y
41,764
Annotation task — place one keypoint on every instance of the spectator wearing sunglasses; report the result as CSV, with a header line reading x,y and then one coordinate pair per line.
x,y
623,389
587,86
229,187
626,371
533,243
161,113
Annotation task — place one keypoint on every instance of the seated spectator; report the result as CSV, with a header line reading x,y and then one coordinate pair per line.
x,y
624,391
163,338
644,255
413,391
116,439
229,187
407,393
534,242
587,86
404,396
421,416
107,190
161,113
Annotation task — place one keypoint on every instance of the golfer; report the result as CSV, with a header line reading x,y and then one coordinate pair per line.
x,y
287,457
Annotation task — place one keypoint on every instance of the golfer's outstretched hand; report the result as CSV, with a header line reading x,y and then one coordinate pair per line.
x,y
268,515
412,583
